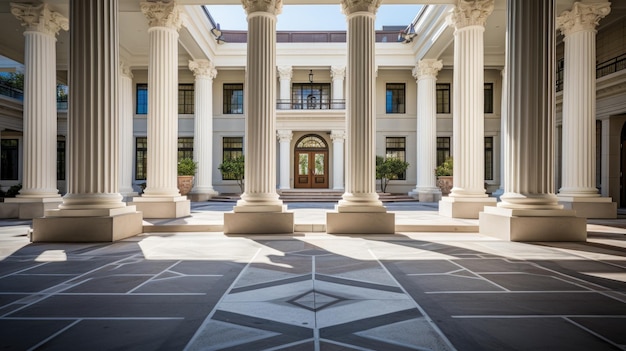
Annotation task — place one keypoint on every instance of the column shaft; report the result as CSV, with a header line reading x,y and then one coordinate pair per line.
x,y
338,74
338,137
284,138
126,132
285,74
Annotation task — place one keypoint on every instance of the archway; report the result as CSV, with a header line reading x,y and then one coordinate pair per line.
x,y
311,162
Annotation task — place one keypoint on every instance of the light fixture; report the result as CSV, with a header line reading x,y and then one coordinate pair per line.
x,y
216,31
311,76
406,36
220,40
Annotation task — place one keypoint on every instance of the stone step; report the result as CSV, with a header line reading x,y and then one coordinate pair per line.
x,y
314,196
313,228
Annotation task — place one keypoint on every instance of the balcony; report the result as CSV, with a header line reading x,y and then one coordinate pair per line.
x,y
311,104
11,92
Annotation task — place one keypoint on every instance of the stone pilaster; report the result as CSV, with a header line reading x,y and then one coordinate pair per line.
x,y
529,210
126,132
338,75
284,141
503,119
285,73
468,196
425,72
92,209
205,72
578,190
338,137
161,198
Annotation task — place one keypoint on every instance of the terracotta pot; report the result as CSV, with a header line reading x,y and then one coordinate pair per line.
x,y
185,183
445,184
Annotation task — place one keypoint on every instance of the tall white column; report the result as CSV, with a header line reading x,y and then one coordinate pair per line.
x,y
284,141
338,74
126,132
468,196
40,111
338,137
285,73
205,72
529,210
425,72
92,209
503,120
578,190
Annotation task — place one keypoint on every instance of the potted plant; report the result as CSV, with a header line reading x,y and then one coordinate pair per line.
x,y
444,176
186,172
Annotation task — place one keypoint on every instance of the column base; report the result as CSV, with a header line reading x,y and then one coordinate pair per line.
x,y
29,207
87,229
464,207
498,193
165,207
590,207
258,223
129,196
528,225
201,196
433,195
360,223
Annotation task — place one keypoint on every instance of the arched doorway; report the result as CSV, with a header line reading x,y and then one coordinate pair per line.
x,y
622,178
311,162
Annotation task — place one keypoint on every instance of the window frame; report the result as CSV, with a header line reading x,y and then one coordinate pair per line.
x,y
391,151
488,175
185,148
141,98
444,96
186,98
229,91
443,149
395,98
141,172
10,159
488,97
231,152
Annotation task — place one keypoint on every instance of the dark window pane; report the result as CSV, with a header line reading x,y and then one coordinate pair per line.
x,y
186,98
185,148
232,147
60,159
443,149
395,98
443,98
395,147
310,96
9,159
488,97
141,157
488,158
142,99
233,98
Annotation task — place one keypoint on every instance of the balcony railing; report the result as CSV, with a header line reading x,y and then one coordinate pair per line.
x,y
311,105
11,92
602,69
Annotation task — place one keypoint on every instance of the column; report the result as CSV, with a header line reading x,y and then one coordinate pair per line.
x,y
468,196
260,210
205,72
503,109
338,74
161,198
126,132
425,72
285,73
338,137
356,212
529,210
578,190
92,209
39,188
284,140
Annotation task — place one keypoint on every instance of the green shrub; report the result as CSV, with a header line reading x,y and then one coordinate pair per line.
x,y
234,168
445,168
187,167
388,169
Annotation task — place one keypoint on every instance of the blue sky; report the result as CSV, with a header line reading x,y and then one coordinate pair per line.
x,y
313,17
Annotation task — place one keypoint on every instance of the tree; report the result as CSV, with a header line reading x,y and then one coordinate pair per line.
x,y
233,168
388,169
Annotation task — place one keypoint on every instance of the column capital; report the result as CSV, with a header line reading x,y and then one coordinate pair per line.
x,y
338,72
349,7
582,16
40,18
274,7
470,13
285,72
284,135
163,14
203,69
338,135
427,68
125,70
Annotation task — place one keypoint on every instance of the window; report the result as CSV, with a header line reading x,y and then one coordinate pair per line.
x,y
185,148
443,98
395,99
488,97
142,99
233,98
185,99
9,159
232,148
141,157
310,96
60,159
488,158
443,149
396,148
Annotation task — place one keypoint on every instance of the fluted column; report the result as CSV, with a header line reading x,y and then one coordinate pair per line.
x,y
338,137
426,74
205,72
338,74
284,140
285,73
126,131
503,121
40,111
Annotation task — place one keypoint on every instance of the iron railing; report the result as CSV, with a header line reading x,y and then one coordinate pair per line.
x,y
602,69
11,92
311,105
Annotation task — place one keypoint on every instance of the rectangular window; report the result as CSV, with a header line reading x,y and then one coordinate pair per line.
x,y
310,96
185,148
142,99
232,147
233,98
443,98
141,157
395,98
488,97
9,159
488,158
443,149
60,159
396,148
185,99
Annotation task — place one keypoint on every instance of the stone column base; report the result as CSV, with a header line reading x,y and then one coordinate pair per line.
x,y
528,225
174,207
590,207
258,223
201,196
360,223
467,207
29,208
87,229
426,196
127,197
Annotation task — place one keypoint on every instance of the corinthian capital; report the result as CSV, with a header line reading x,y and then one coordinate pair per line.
x,y
427,68
351,6
203,69
39,18
285,72
470,13
270,6
162,14
582,16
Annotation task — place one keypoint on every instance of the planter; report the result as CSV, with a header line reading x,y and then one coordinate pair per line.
x,y
185,183
445,184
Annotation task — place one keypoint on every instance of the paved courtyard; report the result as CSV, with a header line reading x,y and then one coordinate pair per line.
x,y
313,291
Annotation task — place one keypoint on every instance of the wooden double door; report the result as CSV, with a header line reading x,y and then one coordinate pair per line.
x,y
311,169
